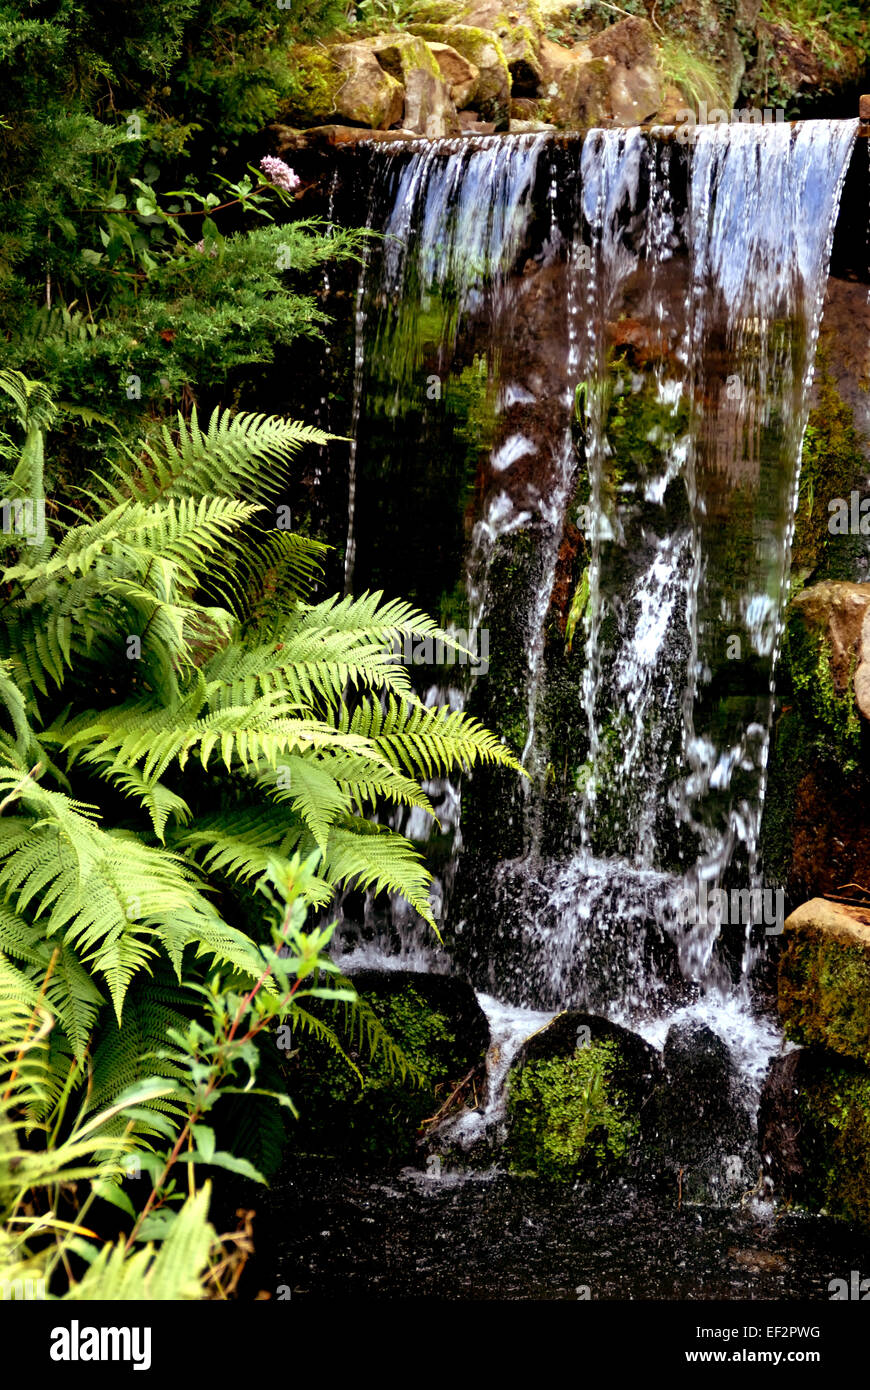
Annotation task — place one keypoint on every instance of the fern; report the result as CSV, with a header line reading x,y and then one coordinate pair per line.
x,y
161,655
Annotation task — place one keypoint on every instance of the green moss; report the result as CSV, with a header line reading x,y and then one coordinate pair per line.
x,y
835,1114
833,463
833,722
567,1117
641,428
379,1115
791,742
484,49
315,80
824,993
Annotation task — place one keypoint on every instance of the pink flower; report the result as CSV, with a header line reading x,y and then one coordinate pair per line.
x,y
279,173
200,246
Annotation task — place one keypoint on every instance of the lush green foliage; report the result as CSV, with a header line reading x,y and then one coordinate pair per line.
x,y
197,749
186,730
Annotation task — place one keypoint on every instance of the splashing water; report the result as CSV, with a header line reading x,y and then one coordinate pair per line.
x,y
688,286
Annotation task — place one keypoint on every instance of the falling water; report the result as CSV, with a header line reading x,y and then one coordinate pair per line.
x,y
689,282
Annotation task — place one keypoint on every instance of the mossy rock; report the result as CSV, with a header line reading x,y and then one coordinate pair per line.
x,y
408,59
316,79
575,1097
814,1133
479,46
519,28
833,464
374,1114
824,979
823,649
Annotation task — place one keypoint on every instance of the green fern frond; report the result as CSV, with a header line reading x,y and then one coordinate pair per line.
x,y
173,1273
238,454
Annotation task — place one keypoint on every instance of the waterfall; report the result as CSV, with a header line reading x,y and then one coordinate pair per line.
x,y
680,286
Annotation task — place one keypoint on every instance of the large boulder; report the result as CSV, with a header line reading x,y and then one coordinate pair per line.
x,y
368,95
576,91
484,50
824,978
408,59
373,1110
576,1097
636,88
614,77
814,1133
316,80
699,1131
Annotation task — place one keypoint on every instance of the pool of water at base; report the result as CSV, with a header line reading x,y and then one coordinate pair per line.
x,y
322,1232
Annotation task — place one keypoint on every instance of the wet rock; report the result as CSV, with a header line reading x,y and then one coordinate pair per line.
x,y
824,978
483,49
576,1097
368,95
702,1130
462,77
637,1065
373,1111
837,614
779,1123
814,1133
817,811
407,58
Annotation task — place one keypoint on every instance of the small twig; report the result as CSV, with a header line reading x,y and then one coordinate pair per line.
x,y
430,1124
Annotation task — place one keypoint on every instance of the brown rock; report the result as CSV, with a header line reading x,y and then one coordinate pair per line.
x,y
519,27
635,94
862,673
838,610
579,95
368,95
631,43
471,124
461,76
428,107
636,89
484,50
285,139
